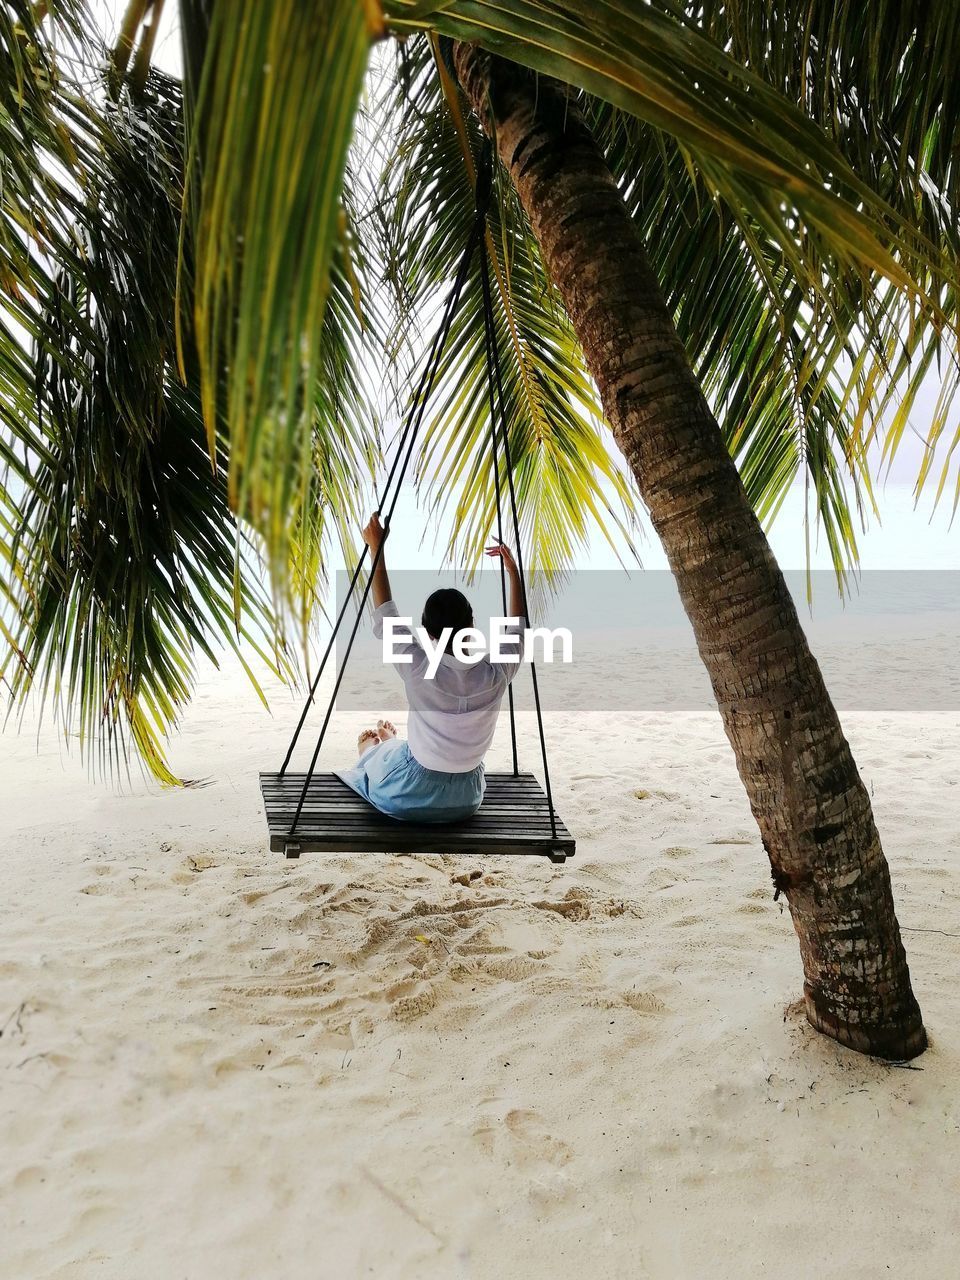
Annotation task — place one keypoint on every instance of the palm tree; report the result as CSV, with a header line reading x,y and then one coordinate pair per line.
x,y
710,208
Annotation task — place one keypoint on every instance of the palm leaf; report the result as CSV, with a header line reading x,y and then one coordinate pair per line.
x,y
340,464
778,367
270,129
758,149
123,561
878,79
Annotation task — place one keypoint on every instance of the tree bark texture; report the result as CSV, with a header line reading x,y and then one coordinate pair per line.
x,y
813,810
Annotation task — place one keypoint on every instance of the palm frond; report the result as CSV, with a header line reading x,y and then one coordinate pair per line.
x,y
878,80
123,561
45,142
780,368
755,148
342,459
120,559
270,129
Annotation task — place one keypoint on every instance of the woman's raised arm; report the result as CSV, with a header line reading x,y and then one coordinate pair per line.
x,y
374,535
516,587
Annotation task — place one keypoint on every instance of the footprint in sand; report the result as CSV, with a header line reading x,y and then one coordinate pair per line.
x,y
530,1132
297,985
660,879
481,943
256,895
314,892
570,910
935,873
408,1008
32,1176
574,905
467,877
191,867
643,1002
524,1137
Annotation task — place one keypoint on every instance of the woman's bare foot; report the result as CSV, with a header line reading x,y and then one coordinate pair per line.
x,y
367,739
386,730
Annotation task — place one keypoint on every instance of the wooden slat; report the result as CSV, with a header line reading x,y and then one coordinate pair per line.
x,y
287,805
334,784
499,821
498,777
345,793
411,837
557,851
409,834
514,818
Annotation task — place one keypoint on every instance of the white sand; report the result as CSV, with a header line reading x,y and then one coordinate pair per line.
x,y
217,1063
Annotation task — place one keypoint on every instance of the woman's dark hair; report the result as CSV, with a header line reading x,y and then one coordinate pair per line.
x,y
446,608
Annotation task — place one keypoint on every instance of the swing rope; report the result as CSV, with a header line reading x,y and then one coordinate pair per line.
x,y
398,470
419,399
494,377
488,354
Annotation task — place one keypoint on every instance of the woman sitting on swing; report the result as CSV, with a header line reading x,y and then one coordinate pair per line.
x,y
437,774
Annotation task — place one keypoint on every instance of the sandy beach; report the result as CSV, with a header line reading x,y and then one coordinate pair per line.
x,y
215,1062
637,325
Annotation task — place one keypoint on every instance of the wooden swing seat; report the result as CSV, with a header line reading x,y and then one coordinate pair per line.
x,y
514,818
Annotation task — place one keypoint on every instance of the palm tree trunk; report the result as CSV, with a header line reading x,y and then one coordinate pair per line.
x,y
813,811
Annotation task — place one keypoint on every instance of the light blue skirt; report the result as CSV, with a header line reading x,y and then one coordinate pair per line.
x,y
395,783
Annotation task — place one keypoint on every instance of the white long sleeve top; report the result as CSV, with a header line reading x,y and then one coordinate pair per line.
x,y
452,717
